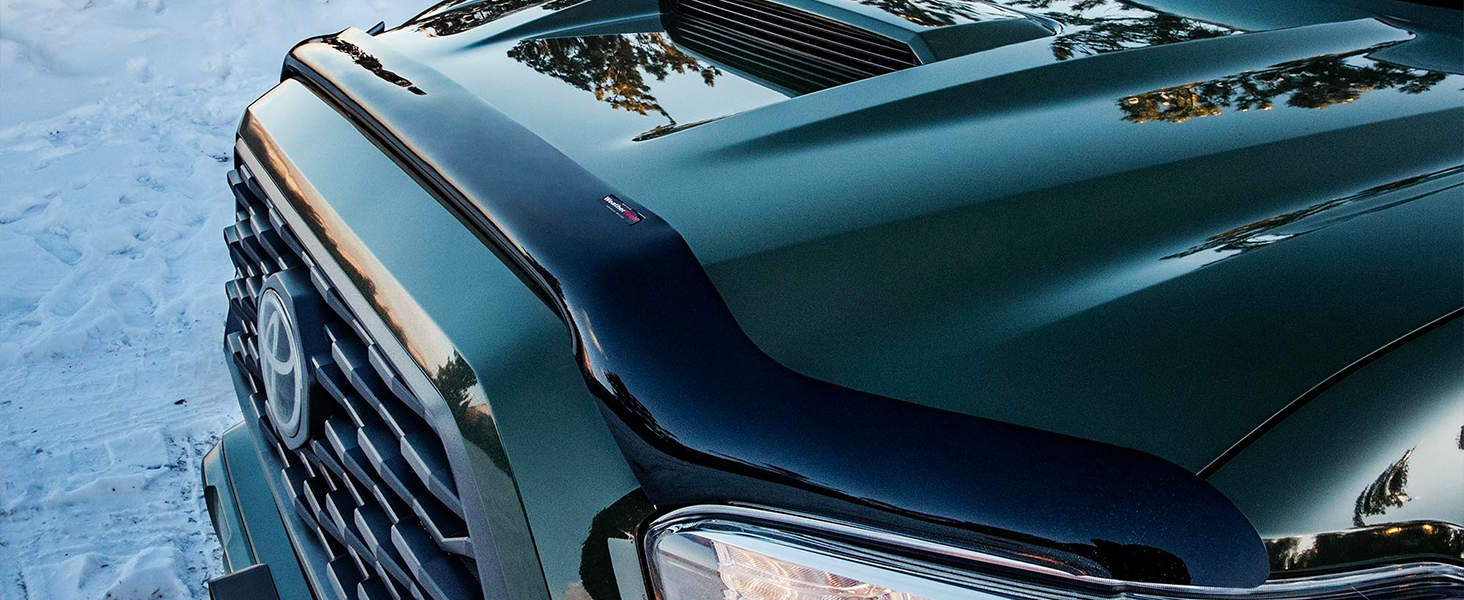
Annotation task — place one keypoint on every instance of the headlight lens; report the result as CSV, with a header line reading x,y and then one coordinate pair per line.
x,y
731,562
739,554
733,553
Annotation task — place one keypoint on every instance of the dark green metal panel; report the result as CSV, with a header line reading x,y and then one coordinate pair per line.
x,y
223,510
245,514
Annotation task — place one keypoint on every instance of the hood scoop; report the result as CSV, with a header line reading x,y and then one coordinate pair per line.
x,y
802,46
788,48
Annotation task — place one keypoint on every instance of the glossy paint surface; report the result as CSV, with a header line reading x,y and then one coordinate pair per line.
x,y
1090,233
1380,451
648,327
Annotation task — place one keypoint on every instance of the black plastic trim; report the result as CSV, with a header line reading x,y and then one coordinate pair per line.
x,y
250,583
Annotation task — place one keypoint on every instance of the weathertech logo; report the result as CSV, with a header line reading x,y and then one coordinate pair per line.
x,y
626,213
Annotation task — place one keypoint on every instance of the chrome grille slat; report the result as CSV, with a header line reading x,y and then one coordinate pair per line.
x,y
391,503
448,533
388,462
342,510
375,480
344,576
358,493
268,241
330,377
327,457
430,463
441,577
274,442
393,382
313,488
374,590
375,530
306,464
252,249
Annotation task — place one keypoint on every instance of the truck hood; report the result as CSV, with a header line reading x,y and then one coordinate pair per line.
x,y
1152,225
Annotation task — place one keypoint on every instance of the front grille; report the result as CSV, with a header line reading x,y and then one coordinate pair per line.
x,y
373,482
787,47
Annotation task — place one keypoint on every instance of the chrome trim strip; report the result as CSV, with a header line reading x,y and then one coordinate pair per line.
x,y
1448,577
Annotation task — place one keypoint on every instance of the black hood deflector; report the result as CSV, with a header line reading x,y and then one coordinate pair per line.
x,y
706,417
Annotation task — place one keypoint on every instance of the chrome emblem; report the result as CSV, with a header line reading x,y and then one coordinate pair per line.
x,y
282,363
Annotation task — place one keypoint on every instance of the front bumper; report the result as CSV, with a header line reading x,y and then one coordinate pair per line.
x,y
246,518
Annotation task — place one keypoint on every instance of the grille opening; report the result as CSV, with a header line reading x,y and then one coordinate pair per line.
x,y
374,484
788,48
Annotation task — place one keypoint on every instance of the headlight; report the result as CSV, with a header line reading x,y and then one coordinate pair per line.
x,y
735,553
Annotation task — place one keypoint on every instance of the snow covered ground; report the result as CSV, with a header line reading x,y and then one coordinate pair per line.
x,y
116,128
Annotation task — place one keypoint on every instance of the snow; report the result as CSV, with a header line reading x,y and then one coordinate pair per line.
x,y
151,573
116,129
